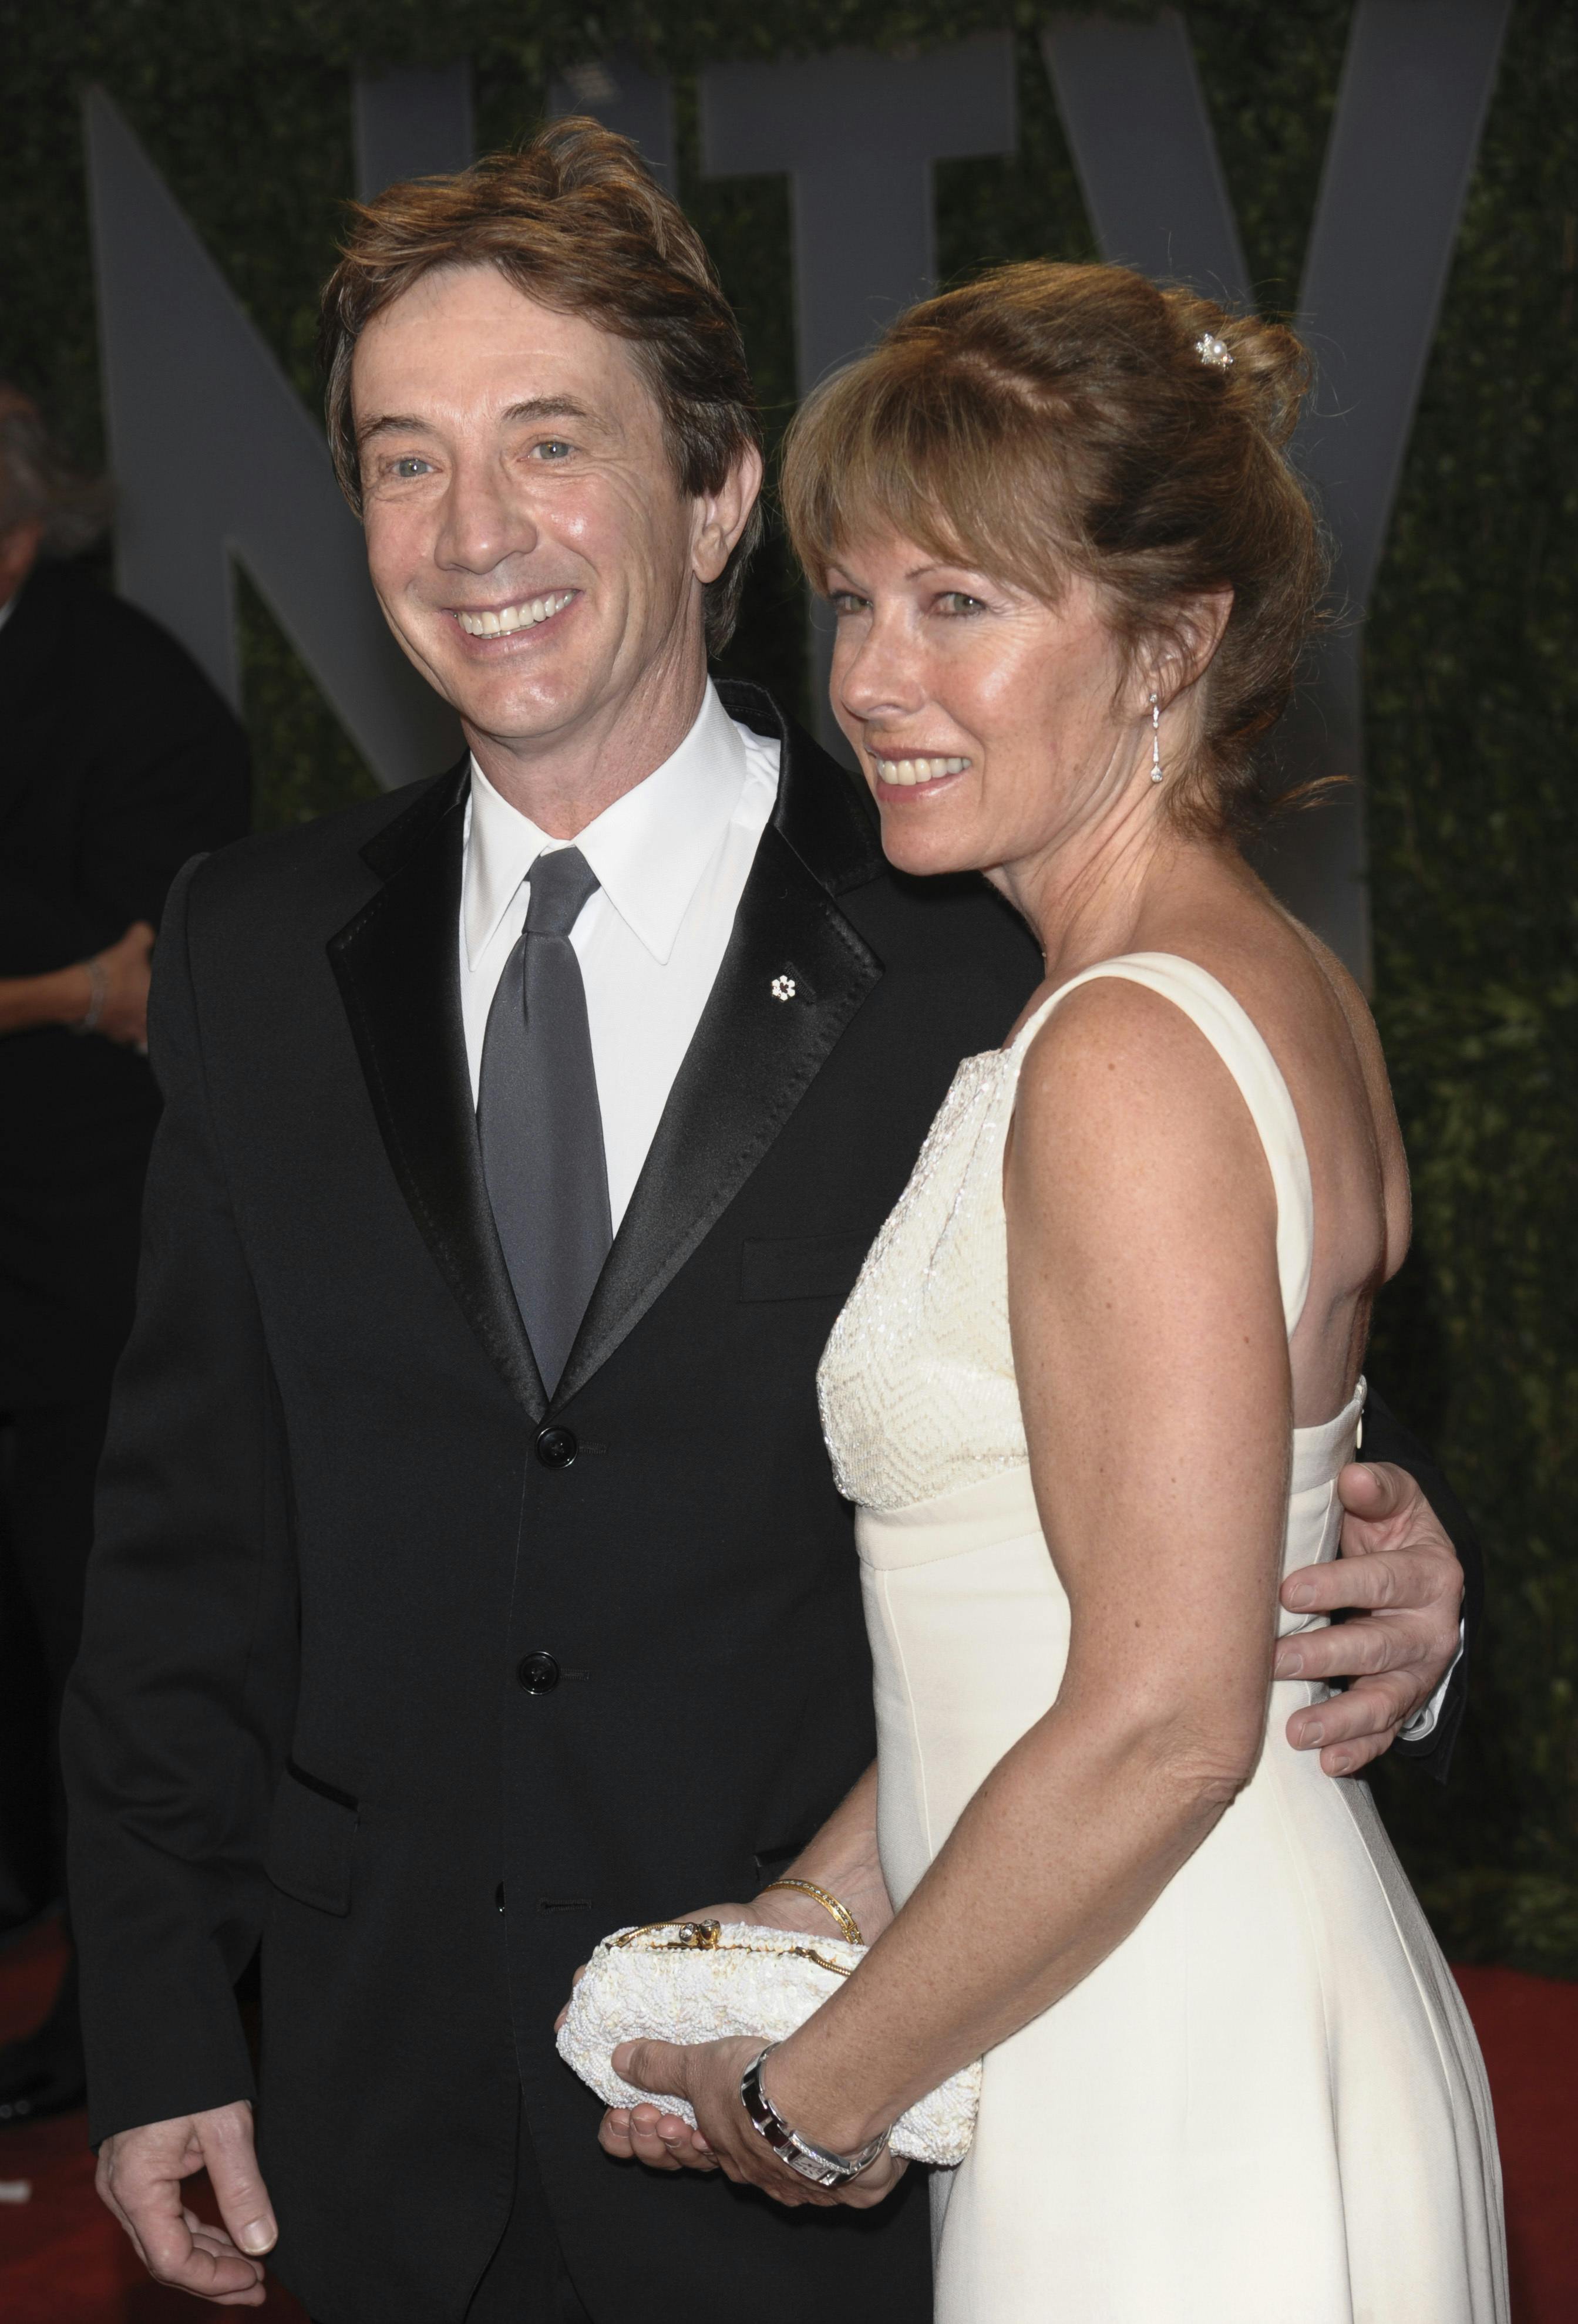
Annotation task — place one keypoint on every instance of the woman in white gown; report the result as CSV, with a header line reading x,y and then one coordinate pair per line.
x,y
1102,1369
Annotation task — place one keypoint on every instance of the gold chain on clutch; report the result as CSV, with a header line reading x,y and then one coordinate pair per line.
x,y
705,1937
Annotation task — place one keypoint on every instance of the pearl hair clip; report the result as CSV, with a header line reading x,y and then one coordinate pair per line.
x,y
1214,351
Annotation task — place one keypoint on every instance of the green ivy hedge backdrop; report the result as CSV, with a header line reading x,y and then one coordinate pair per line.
x,y
1472,697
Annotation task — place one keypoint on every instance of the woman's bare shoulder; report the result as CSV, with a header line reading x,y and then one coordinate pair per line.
x,y
1116,1078
1119,1034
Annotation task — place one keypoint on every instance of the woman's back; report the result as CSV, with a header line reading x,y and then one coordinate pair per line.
x,y
1204,906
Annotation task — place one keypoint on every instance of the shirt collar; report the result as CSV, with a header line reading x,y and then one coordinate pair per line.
x,y
649,850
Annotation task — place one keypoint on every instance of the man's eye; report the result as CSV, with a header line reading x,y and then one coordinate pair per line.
x,y
411,463
554,449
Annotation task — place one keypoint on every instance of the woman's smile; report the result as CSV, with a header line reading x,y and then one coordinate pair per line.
x,y
895,770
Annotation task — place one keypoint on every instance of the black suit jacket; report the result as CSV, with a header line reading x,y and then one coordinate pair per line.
x,y
118,761
378,1640
338,1525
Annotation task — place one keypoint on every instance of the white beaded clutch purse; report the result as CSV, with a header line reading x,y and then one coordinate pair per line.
x,y
705,1980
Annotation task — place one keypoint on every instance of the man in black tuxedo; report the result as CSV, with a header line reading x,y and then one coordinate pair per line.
x,y
471,1579
118,759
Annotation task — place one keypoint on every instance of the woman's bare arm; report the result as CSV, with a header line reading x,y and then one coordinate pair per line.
x,y
1148,1337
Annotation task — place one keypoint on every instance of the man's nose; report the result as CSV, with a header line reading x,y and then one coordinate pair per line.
x,y
484,522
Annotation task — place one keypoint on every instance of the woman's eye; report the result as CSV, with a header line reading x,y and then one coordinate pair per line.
x,y
845,601
954,602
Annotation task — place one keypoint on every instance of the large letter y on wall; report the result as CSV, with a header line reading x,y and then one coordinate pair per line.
x,y
1417,81
215,457
1142,143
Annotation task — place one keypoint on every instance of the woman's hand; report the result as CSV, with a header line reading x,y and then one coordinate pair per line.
x,y
664,2142
707,2075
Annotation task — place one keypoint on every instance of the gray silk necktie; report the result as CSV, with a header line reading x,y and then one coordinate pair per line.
x,y
540,1122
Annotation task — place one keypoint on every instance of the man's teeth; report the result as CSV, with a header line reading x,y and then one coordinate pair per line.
x,y
513,617
919,770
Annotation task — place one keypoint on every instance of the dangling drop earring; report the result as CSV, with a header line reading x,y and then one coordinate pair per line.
x,y
1155,740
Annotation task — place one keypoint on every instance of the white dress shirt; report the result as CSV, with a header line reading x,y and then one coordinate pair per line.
x,y
671,858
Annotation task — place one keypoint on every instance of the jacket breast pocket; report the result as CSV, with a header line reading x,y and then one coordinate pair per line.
x,y
806,1267
312,1836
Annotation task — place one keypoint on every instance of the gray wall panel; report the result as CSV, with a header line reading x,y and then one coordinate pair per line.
x,y
412,122
215,457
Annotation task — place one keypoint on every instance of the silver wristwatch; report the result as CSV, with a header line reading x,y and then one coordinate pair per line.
x,y
823,2168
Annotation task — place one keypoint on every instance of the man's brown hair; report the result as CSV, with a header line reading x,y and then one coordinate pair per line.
x,y
574,223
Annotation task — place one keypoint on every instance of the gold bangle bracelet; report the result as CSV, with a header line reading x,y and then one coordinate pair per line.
x,y
829,1903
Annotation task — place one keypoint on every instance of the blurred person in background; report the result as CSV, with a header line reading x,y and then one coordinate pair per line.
x,y
118,761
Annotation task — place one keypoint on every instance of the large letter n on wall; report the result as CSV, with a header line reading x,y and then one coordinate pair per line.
x,y
214,458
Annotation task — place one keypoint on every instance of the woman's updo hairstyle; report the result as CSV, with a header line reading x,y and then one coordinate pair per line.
x,y
1046,420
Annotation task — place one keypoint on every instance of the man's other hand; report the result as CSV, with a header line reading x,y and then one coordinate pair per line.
x,y
1400,1574
140,2176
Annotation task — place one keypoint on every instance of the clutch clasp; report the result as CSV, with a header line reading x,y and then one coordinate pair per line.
x,y
689,1936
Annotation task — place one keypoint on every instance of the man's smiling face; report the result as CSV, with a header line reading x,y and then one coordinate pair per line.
x,y
527,535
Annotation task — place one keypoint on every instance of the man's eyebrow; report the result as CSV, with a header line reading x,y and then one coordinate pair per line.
x,y
551,407
393,423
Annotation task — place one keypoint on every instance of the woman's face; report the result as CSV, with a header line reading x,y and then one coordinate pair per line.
x,y
992,727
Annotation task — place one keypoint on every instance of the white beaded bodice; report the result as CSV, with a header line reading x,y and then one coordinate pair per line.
x,y
917,1383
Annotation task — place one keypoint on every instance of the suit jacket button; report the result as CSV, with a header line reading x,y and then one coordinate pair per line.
x,y
538,1672
557,1447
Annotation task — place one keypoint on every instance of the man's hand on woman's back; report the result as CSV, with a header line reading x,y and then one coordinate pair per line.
x,y
139,2176
1399,1578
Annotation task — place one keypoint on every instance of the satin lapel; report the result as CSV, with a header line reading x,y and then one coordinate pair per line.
x,y
754,1058
398,966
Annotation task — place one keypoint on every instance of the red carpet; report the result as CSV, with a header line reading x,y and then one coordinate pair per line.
x,y
1529,2031
64,2260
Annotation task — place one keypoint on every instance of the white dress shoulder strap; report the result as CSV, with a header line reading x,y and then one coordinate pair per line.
x,y
1238,1041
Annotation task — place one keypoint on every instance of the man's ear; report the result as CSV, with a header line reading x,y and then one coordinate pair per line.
x,y
722,516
